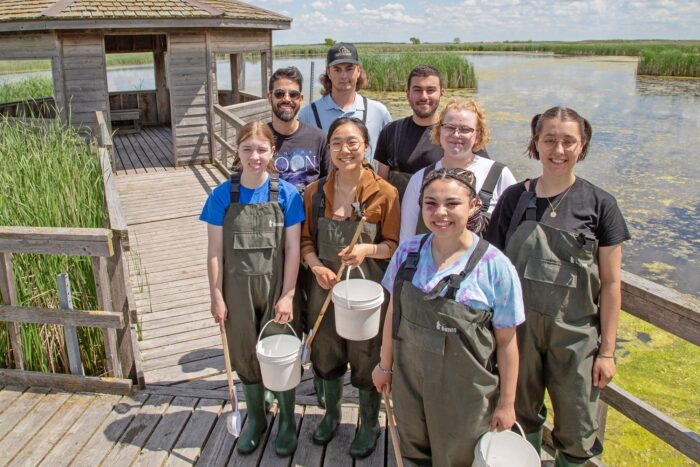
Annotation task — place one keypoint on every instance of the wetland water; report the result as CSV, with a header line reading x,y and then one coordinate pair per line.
x,y
645,148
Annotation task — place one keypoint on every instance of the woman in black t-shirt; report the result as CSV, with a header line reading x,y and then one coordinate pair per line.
x,y
564,235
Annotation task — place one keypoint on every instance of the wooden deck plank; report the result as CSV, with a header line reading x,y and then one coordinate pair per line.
x,y
158,315
337,454
8,395
144,152
32,422
191,326
191,355
19,408
189,445
220,443
130,153
162,150
166,433
178,338
180,347
139,430
122,160
53,431
308,453
187,371
106,435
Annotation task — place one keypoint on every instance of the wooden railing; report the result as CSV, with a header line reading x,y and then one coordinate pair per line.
x,y
679,315
106,248
232,119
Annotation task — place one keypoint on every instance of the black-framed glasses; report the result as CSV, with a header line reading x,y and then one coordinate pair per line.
x,y
453,130
280,93
353,146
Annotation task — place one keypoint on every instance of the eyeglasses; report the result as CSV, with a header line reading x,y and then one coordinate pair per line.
x,y
567,143
453,130
352,146
280,93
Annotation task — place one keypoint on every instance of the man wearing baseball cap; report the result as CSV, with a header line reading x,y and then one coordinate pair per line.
x,y
343,78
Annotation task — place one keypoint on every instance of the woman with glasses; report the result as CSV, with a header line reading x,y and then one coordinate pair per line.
x,y
564,235
254,220
461,131
449,354
334,205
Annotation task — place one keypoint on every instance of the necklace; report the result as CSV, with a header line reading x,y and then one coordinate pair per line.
x,y
553,208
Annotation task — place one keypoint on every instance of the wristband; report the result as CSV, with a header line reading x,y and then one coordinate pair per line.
x,y
383,370
605,356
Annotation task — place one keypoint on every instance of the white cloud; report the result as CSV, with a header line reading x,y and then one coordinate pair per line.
x,y
349,8
391,12
321,4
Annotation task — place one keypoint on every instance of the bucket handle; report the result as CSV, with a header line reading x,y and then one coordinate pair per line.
x,y
488,448
347,278
272,321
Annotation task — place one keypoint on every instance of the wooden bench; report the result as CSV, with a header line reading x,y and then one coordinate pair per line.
x,y
125,115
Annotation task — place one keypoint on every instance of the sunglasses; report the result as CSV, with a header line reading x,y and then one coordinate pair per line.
x,y
280,93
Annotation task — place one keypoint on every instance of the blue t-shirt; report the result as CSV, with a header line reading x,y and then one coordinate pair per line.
x,y
219,200
492,285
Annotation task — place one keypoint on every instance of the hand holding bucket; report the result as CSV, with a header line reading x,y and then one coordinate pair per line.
x,y
505,449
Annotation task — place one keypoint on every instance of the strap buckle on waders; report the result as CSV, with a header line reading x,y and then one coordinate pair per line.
x,y
405,273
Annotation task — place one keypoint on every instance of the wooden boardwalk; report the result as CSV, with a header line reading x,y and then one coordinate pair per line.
x,y
149,150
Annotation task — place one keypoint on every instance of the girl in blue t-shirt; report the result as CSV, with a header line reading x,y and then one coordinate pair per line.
x,y
253,258
455,303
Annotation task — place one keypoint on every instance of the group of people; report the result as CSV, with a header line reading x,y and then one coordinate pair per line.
x,y
495,290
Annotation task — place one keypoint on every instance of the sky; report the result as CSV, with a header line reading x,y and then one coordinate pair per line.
x,y
477,20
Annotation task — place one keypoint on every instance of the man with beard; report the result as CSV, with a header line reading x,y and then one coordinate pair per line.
x,y
342,81
404,146
300,149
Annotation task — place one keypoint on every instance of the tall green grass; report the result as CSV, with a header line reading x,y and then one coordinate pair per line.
x,y
50,178
29,88
389,72
669,63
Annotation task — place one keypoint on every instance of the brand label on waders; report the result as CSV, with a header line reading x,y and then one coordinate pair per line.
x,y
276,224
441,327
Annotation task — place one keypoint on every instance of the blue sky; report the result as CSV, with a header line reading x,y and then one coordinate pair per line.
x,y
477,20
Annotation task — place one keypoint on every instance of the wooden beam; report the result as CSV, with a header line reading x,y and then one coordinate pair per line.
x,y
89,318
683,439
162,95
264,71
224,143
56,240
70,334
117,220
65,382
104,301
237,75
8,289
661,306
230,118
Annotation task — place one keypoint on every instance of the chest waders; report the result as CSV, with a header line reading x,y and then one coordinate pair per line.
x,y
330,353
559,340
252,283
445,386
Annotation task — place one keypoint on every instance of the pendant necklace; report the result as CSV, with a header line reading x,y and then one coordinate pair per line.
x,y
553,208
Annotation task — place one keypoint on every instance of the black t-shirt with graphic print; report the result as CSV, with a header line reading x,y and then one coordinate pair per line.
x,y
301,157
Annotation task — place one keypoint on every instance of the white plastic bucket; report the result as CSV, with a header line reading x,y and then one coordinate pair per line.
x,y
358,304
280,360
505,449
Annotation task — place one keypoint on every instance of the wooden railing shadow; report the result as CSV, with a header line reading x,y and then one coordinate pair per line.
x,y
106,248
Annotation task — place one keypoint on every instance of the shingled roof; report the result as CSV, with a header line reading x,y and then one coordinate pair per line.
x,y
224,12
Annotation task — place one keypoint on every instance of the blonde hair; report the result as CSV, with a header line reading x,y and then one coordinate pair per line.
x,y
483,134
255,128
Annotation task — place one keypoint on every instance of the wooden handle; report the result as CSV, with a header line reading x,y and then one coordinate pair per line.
x,y
392,429
355,237
227,361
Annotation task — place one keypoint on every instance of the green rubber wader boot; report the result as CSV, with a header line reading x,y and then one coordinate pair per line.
x,y
269,399
333,389
560,460
536,440
256,422
318,386
366,437
286,441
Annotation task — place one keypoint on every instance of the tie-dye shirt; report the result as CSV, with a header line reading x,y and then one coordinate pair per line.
x,y
492,285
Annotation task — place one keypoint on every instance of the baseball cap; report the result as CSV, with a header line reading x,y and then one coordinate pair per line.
x,y
342,52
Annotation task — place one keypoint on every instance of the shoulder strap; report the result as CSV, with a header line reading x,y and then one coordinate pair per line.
x,y
427,170
393,160
453,281
314,109
405,273
318,206
527,206
364,114
489,186
274,186
235,186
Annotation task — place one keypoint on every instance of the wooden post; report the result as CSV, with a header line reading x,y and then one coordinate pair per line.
x,y
311,82
237,76
75,363
224,149
264,72
119,286
104,301
161,77
9,297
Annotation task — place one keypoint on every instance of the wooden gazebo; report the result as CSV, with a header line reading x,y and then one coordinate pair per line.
x,y
185,36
